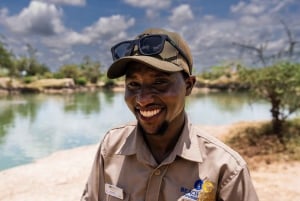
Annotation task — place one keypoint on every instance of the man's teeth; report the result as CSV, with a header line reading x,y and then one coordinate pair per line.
x,y
149,113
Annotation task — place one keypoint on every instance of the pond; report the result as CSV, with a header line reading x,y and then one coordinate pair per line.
x,y
34,126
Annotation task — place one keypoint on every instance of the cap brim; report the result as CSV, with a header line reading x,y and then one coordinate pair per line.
x,y
118,68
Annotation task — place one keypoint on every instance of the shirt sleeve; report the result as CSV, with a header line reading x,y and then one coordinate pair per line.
x,y
93,188
238,187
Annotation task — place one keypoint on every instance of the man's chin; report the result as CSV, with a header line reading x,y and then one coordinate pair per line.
x,y
160,131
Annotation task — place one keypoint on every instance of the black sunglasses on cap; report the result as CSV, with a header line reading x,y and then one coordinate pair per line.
x,y
147,45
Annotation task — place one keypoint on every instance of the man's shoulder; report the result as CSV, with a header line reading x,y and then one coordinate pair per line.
x,y
115,138
214,146
123,128
120,132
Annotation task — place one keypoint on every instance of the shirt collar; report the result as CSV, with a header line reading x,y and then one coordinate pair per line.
x,y
188,146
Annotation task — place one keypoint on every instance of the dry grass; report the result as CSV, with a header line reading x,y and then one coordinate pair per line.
x,y
257,144
54,83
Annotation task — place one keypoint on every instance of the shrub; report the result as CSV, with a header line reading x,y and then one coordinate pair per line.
x,y
81,81
29,79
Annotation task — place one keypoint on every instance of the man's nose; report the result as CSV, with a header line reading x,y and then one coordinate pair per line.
x,y
144,96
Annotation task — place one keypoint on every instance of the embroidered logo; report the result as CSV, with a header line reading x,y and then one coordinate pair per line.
x,y
198,184
208,192
202,191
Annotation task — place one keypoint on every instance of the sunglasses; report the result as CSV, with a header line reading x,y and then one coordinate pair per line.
x,y
147,45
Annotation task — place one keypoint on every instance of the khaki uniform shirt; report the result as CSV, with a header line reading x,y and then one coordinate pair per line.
x,y
200,168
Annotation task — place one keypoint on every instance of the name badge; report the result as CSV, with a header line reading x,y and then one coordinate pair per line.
x,y
114,191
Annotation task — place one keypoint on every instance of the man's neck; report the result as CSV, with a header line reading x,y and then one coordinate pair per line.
x,y
162,145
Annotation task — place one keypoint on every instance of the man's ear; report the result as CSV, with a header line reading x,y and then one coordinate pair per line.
x,y
190,82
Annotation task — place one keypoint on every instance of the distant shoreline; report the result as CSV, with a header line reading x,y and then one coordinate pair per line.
x,y
67,86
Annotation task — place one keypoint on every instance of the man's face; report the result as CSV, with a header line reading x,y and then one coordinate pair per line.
x,y
156,98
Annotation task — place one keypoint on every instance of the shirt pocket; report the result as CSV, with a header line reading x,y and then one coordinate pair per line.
x,y
112,198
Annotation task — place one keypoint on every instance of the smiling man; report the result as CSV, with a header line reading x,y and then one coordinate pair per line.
x,y
162,156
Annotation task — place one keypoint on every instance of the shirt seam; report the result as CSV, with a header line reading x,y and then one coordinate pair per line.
x,y
237,158
232,176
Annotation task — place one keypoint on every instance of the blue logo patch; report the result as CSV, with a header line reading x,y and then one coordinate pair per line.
x,y
198,184
193,194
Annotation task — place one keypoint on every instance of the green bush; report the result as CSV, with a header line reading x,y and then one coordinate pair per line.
x,y
81,81
48,75
29,79
216,72
58,75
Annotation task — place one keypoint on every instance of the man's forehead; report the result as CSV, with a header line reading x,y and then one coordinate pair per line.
x,y
138,68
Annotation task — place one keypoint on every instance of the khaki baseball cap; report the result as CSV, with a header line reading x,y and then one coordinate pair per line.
x,y
169,60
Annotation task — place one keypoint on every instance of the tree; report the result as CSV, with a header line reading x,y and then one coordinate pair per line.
x,y
277,82
287,52
31,64
6,60
90,69
70,71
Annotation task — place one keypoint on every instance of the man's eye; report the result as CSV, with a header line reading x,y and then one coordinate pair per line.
x,y
161,82
133,85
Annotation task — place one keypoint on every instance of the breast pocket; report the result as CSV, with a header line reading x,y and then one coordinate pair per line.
x,y
115,193
112,198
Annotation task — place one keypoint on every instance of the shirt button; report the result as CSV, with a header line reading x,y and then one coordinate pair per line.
x,y
157,172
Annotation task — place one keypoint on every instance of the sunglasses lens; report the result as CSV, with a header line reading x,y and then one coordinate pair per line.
x,y
122,50
151,45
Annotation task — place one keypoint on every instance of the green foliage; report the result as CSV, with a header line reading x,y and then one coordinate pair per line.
x,y
6,61
58,75
81,81
108,83
90,69
279,85
48,75
31,66
69,71
29,79
216,72
5,57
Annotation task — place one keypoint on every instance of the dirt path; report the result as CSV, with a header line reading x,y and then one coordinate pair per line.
x,y
278,181
62,175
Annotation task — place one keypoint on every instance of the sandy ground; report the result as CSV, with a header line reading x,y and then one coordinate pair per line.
x,y
62,175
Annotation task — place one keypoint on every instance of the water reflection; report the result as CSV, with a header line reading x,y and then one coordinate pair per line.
x,y
224,101
16,107
225,108
37,125
34,126
87,103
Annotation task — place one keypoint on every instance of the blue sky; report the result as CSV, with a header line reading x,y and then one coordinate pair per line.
x,y
64,31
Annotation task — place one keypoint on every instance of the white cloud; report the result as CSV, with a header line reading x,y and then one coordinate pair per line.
x,y
151,13
258,7
154,4
105,30
38,18
70,46
108,26
65,56
67,2
3,12
181,14
249,9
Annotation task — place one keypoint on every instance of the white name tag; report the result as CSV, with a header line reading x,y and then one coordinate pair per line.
x,y
114,191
